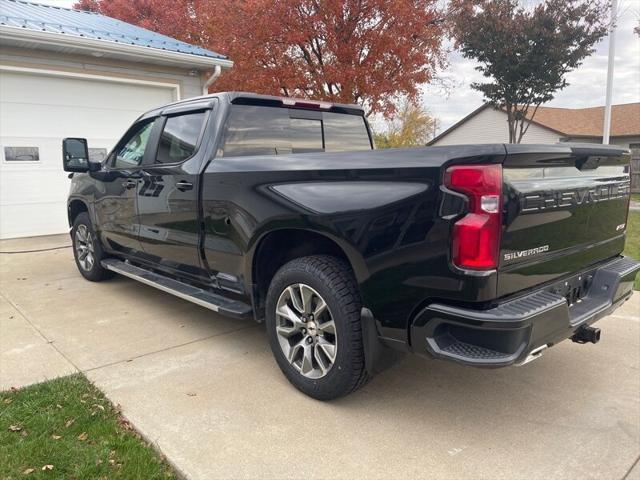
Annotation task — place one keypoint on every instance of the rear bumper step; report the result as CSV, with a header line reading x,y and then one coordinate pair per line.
x,y
204,298
517,331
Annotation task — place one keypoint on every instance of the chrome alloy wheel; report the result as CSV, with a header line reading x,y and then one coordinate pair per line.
x,y
306,330
84,247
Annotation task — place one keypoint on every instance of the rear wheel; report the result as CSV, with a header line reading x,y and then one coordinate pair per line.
x,y
87,250
313,322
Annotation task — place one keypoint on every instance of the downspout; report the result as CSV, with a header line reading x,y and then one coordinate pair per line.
x,y
216,73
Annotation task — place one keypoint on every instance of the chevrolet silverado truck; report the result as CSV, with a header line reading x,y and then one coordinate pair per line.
x,y
282,210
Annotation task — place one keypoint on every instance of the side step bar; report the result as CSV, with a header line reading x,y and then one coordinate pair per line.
x,y
204,298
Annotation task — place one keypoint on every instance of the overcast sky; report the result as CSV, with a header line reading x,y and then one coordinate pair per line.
x,y
586,84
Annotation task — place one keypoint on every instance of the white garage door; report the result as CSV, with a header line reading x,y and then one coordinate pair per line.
x,y
37,111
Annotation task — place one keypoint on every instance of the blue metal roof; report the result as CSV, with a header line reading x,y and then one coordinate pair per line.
x,y
52,19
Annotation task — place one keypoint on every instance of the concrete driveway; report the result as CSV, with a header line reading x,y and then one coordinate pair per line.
x,y
206,391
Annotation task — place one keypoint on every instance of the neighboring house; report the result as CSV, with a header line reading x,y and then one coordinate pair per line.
x,y
551,125
68,73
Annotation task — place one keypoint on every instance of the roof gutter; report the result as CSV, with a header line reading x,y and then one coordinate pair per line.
x,y
135,52
214,76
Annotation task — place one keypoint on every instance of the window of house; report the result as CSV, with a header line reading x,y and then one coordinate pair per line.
x,y
21,154
179,137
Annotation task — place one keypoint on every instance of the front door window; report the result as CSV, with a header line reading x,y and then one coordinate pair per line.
x,y
130,152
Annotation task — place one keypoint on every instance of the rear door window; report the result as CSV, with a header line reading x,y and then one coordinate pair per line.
x,y
179,137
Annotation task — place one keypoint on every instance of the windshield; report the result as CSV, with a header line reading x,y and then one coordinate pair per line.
x,y
261,130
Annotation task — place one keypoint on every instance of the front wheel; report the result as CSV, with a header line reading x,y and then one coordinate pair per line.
x,y
313,323
87,250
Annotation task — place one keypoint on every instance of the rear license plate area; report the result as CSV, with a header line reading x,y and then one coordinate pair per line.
x,y
573,289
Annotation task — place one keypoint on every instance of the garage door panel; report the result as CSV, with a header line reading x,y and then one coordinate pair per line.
x,y
33,219
70,91
45,121
44,186
39,111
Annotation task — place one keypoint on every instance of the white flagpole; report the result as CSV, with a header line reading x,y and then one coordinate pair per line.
x,y
612,54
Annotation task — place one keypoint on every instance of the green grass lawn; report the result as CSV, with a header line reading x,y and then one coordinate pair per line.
x,y
632,247
66,428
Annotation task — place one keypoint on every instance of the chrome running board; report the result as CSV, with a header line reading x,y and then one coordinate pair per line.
x,y
204,298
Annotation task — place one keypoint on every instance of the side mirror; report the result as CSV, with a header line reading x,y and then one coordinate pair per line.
x,y
75,155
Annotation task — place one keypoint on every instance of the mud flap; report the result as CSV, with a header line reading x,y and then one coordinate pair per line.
x,y
377,356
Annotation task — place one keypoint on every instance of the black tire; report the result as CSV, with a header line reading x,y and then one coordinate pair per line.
x,y
333,280
93,271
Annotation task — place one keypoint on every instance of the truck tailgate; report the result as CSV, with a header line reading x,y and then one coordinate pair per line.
x,y
565,209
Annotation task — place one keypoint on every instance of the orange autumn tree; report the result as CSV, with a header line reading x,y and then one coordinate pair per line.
x,y
369,52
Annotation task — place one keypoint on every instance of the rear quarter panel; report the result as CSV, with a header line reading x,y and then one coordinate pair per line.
x,y
381,207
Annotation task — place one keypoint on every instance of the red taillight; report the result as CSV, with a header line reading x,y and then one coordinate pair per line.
x,y
476,237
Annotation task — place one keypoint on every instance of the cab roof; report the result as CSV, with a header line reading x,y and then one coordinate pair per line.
x,y
247,98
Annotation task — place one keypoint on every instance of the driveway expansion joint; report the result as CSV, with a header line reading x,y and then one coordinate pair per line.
x,y
626,475
47,340
146,354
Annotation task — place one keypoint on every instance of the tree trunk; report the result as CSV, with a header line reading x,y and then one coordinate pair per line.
x,y
511,122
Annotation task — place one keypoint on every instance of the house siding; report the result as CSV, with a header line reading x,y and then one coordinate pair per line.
x,y
190,85
490,126
619,141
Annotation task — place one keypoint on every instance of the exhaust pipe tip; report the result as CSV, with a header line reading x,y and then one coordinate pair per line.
x,y
586,334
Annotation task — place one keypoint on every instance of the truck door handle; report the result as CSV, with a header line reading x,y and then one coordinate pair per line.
x,y
128,184
183,186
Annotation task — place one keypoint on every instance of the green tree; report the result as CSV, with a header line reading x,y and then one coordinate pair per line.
x,y
412,126
524,54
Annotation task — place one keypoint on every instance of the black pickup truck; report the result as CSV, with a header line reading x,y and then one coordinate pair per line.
x,y
282,210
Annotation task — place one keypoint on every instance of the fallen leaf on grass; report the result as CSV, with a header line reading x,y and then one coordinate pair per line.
x,y
56,437
15,428
47,467
69,423
98,406
83,436
28,471
58,406
125,424
7,401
